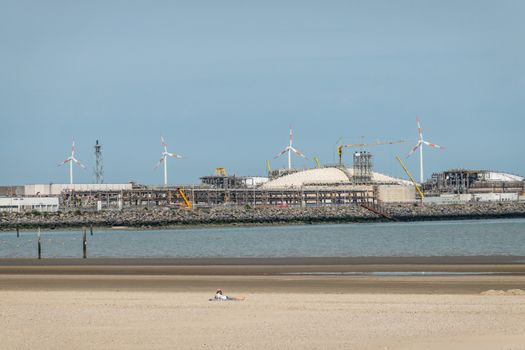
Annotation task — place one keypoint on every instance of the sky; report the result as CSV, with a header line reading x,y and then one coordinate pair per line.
x,y
224,80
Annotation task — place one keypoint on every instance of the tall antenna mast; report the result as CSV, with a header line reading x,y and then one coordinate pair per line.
x,y
99,166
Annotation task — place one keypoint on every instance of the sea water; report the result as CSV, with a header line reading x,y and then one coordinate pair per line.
x,y
434,238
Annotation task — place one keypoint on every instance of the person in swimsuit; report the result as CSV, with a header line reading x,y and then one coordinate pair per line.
x,y
221,297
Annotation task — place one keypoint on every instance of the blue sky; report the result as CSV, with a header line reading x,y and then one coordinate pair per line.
x,y
223,80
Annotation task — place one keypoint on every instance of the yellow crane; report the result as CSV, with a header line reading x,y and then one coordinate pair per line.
x,y
268,166
221,172
354,145
184,198
410,177
317,162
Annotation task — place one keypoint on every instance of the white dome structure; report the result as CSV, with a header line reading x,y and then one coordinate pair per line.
x,y
325,177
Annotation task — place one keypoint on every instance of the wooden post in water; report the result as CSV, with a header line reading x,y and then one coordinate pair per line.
x,y
91,229
17,232
39,244
84,244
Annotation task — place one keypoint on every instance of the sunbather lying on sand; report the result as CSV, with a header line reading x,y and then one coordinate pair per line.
x,y
221,297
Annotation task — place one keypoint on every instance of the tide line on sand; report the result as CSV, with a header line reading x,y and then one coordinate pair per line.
x,y
393,273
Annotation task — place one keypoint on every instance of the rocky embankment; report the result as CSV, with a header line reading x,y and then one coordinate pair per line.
x,y
240,215
403,212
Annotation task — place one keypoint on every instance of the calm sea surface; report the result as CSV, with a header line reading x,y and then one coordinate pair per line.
x,y
443,238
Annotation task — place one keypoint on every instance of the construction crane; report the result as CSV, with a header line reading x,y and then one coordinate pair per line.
x,y
187,203
354,145
411,178
221,172
316,159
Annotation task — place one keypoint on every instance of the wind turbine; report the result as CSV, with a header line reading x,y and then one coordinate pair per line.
x,y
70,160
290,149
164,159
419,144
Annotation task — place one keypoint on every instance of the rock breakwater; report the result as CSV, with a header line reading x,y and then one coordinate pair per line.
x,y
404,212
163,217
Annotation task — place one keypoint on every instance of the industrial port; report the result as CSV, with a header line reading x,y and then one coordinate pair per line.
x,y
322,185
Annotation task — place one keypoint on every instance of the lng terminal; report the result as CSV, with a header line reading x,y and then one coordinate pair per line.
x,y
322,193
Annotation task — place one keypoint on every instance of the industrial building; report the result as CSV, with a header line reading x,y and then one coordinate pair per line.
x,y
57,189
51,197
330,185
324,185
18,204
11,191
463,181
450,198
221,179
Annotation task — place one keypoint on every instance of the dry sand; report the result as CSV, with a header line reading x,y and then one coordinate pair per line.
x,y
95,305
187,320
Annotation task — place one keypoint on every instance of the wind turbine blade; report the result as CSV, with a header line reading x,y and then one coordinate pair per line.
x,y
419,129
78,163
65,161
298,153
281,153
414,149
432,145
159,163
174,155
73,149
164,144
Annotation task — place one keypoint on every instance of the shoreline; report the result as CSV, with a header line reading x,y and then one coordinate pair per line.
x,y
445,275
318,285
207,279
349,262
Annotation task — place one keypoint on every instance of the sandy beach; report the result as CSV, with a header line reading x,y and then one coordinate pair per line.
x,y
124,304
116,319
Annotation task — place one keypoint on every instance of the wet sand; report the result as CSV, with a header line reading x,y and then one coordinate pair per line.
x,y
433,275
163,303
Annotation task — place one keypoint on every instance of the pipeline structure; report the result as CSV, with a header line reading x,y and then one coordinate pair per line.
x,y
189,197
